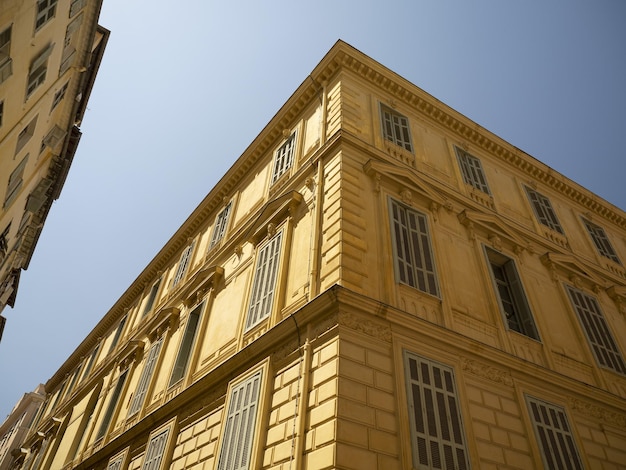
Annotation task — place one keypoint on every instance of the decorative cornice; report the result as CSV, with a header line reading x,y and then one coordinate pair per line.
x,y
487,372
598,412
359,323
495,230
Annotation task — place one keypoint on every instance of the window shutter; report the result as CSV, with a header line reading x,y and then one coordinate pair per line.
x,y
108,415
264,283
146,375
554,435
183,264
436,427
185,346
240,422
155,451
597,331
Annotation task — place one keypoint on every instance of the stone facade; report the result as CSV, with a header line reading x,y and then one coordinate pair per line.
x,y
377,282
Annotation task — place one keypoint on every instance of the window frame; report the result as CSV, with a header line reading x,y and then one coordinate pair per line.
x,y
435,401
38,70
152,296
601,240
390,128
263,291
6,63
411,268
164,456
516,297
230,435
119,461
220,225
112,405
183,264
16,178
596,329
284,157
558,416
145,378
472,170
46,11
543,210
187,344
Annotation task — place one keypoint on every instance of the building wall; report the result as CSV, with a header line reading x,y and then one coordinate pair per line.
x,y
336,345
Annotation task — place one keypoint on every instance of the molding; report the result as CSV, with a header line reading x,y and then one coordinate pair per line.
x,y
495,229
597,412
487,372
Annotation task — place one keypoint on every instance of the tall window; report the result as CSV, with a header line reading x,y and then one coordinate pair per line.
x,y
558,449
151,297
76,6
437,436
25,135
602,242
90,363
183,264
472,170
284,158
544,211
15,182
6,67
46,10
59,95
219,229
414,261
264,283
118,334
69,45
38,70
510,293
396,128
239,428
156,450
184,352
146,375
597,331
110,410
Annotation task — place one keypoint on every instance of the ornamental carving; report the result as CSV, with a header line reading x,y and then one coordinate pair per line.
x,y
407,196
607,416
487,372
368,327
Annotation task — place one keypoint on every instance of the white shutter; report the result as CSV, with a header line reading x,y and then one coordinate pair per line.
x,y
146,375
240,422
156,448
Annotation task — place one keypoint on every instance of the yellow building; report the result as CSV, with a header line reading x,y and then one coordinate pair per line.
x,y
377,282
50,51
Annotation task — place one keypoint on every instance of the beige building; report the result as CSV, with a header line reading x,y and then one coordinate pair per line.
x,y
50,51
377,283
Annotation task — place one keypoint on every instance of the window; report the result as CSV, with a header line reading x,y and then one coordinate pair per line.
x,y
38,70
544,211
597,331
92,360
437,435
58,96
76,6
1,112
25,135
46,10
117,461
183,264
146,375
284,158
472,170
396,128
4,242
552,430
156,449
6,66
264,283
118,333
115,396
414,262
602,242
151,297
182,359
239,428
70,43
15,182
220,226
510,293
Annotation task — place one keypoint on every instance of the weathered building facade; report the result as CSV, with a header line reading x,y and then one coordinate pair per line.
x,y
377,282
50,51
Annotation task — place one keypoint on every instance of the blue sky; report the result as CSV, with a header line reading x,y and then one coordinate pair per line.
x,y
182,93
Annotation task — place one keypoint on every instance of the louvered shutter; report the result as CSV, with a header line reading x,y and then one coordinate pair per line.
x,y
156,448
146,375
240,422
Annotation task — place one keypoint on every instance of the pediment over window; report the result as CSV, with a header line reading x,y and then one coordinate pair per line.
x,y
159,323
406,179
195,288
494,228
131,352
273,213
574,270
